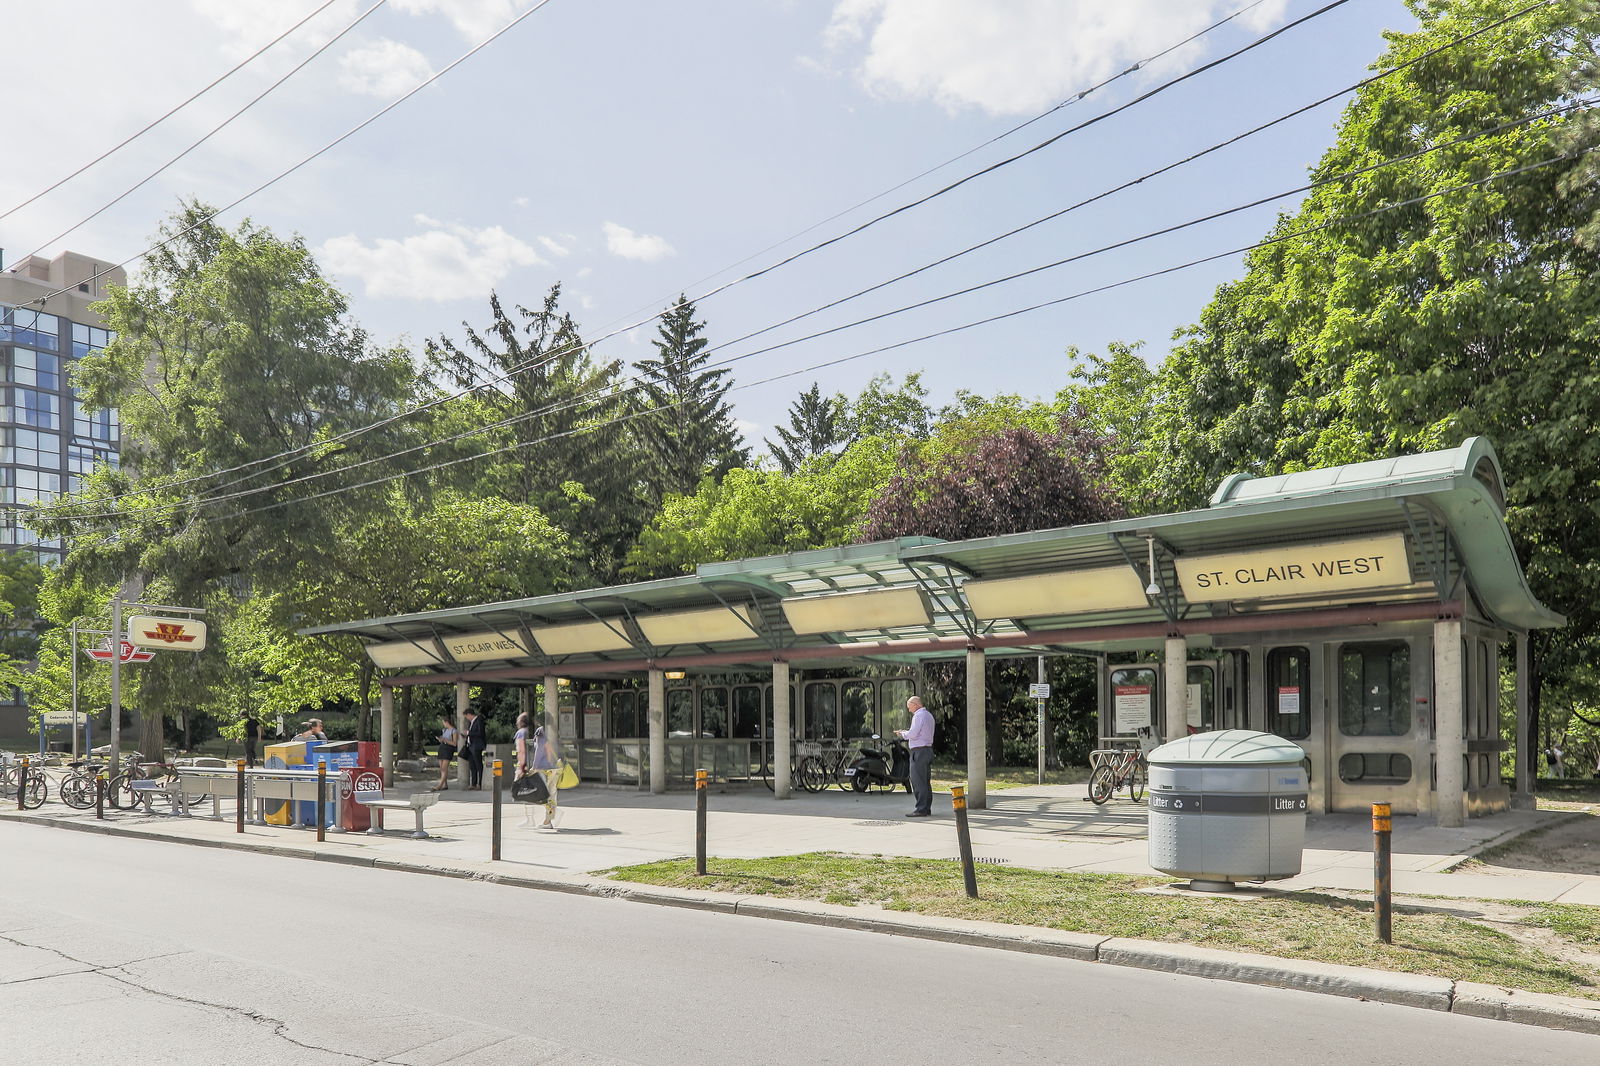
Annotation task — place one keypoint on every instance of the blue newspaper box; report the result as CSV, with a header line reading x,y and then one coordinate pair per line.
x,y
336,755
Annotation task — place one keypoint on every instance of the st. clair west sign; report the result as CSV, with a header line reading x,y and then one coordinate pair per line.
x,y
1296,570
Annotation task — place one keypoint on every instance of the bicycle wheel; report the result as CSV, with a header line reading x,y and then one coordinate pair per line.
x,y
8,781
38,790
120,793
813,777
1136,783
77,791
1102,783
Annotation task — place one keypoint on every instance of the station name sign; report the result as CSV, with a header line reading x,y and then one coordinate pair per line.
x,y
481,647
1296,570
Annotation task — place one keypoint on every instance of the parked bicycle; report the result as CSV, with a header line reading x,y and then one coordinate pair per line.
x,y
1115,768
78,787
38,786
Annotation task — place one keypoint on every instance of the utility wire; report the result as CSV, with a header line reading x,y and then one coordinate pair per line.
x,y
140,133
136,186
1281,238
549,357
480,46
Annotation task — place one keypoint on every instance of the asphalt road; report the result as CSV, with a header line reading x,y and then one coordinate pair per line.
x,y
170,954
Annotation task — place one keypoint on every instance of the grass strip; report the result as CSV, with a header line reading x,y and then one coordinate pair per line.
x,y
1297,925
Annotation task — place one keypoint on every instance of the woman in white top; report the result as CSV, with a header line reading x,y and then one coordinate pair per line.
x,y
447,751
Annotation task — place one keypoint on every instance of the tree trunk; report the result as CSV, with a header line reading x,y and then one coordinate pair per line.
x,y
364,721
152,738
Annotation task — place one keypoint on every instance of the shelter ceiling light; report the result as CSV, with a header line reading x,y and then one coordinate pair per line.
x,y
1113,588
677,675
850,611
582,637
704,626
398,653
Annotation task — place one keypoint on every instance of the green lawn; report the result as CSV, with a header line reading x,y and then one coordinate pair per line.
x,y
1300,925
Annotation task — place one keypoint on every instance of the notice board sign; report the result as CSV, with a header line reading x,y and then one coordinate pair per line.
x,y
1133,706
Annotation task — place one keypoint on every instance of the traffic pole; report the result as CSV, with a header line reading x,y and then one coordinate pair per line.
x,y
494,846
700,823
1382,907
322,798
238,814
958,801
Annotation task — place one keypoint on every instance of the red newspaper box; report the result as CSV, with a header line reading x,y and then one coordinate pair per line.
x,y
368,781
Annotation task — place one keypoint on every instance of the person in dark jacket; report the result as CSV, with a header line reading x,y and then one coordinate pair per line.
x,y
477,741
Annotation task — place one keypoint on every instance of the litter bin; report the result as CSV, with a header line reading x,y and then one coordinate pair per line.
x,y
1227,806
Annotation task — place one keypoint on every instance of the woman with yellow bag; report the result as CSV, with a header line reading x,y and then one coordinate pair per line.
x,y
539,754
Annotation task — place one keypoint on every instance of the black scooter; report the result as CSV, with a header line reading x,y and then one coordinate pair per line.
x,y
881,767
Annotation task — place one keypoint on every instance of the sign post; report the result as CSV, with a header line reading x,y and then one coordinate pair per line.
x,y
1041,692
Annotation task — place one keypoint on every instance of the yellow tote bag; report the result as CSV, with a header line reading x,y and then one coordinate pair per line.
x,y
569,776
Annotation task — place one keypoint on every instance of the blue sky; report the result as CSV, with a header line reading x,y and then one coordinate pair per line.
x,y
632,149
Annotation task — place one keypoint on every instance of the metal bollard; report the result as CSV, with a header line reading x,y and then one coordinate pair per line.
x,y
494,822
700,823
1382,908
238,817
100,795
22,784
958,802
322,800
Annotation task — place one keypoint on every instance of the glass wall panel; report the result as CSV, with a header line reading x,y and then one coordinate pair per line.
x,y
747,711
714,713
680,712
625,714
1202,700
822,711
1375,689
1374,768
1289,693
855,706
892,696
794,713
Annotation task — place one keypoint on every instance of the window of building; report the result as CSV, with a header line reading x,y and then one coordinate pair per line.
x,y
1374,768
1375,689
88,339
822,711
30,407
39,369
624,714
747,711
33,328
100,425
714,713
30,447
892,696
1289,693
680,712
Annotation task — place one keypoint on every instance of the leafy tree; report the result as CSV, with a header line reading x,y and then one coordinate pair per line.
x,y
1006,481
883,410
818,425
234,368
687,428
556,412
1114,399
765,512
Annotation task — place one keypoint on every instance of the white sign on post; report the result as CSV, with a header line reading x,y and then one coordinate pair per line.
x,y
1039,692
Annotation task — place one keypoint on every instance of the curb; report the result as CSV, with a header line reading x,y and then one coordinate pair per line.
x,y
1379,986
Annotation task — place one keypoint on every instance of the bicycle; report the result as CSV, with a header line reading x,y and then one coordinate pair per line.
x,y
1116,767
79,787
120,792
38,788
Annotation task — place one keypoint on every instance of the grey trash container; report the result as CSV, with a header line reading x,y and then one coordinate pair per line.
x,y
1227,806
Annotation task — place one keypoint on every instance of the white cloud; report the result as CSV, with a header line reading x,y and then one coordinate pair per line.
x,y
622,241
385,69
1012,56
554,248
519,201
473,19
247,26
445,262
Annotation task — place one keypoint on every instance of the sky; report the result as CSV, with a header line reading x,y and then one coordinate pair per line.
x,y
633,150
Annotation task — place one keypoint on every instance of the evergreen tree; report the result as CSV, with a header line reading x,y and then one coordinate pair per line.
x,y
687,430
818,425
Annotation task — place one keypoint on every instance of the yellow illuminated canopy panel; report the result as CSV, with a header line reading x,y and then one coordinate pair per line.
x,y
1114,588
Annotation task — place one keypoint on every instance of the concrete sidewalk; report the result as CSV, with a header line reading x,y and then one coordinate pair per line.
x,y
1044,827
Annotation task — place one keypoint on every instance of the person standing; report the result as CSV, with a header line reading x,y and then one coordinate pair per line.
x,y
252,740
538,754
919,738
447,751
477,742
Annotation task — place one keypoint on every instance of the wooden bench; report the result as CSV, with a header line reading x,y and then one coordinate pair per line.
x,y
417,802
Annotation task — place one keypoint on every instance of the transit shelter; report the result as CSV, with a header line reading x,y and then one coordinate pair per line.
x,y
1358,611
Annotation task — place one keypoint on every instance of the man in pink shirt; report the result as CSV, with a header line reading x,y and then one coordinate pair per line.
x,y
919,738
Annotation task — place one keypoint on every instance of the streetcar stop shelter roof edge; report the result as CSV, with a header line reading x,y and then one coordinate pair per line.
x,y
1394,539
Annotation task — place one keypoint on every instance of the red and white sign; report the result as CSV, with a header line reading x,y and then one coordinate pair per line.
x,y
176,634
125,653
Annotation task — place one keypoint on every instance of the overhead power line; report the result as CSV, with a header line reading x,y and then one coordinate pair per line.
x,y
550,356
252,57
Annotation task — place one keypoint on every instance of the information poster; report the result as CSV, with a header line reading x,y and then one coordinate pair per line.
x,y
593,729
1289,700
569,723
1133,706
1195,695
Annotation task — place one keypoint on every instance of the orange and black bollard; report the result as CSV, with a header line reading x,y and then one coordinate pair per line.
x,y
100,795
238,816
700,823
494,837
322,800
958,801
22,785
1382,908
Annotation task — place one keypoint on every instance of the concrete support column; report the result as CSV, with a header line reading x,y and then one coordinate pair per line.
x,y
656,712
782,718
552,709
463,700
1527,753
386,732
1449,716
1176,687
977,733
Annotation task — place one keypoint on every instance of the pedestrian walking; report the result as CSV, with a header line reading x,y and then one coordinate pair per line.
x,y
252,740
447,752
537,754
476,743
919,738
